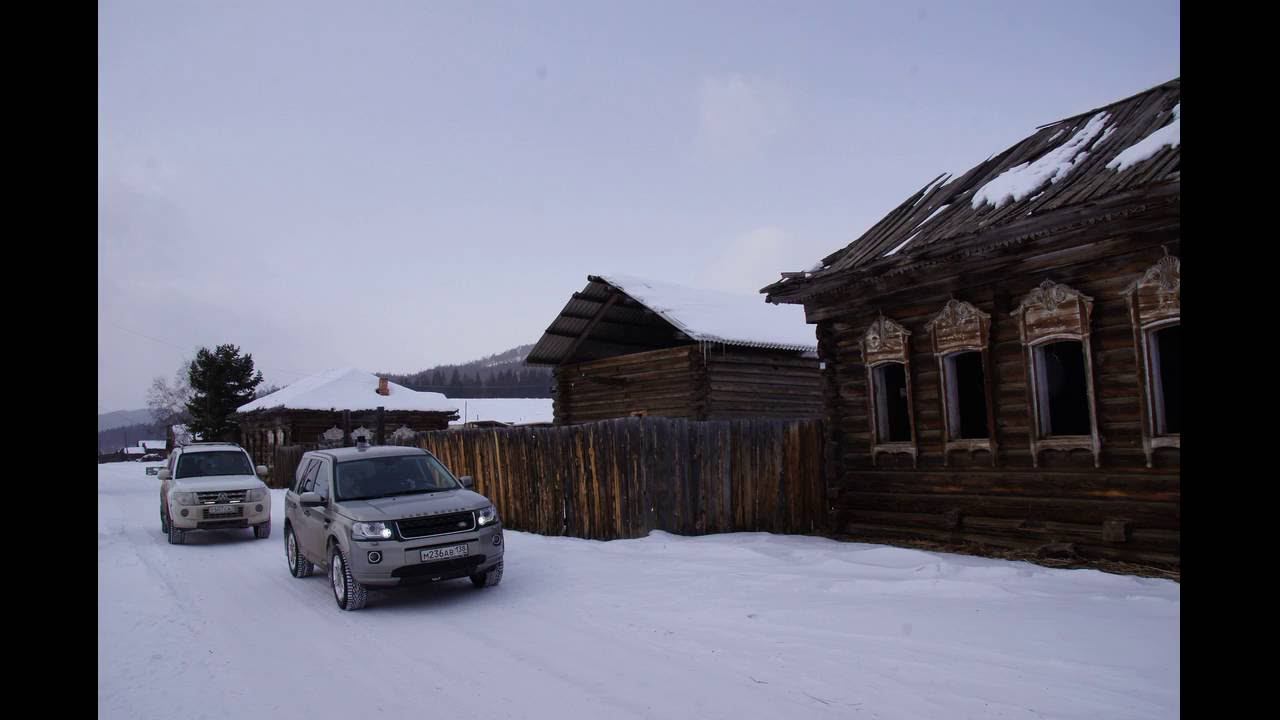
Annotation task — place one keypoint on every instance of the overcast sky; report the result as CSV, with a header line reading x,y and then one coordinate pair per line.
x,y
394,185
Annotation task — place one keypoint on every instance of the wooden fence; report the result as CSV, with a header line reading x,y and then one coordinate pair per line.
x,y
622,478
285,464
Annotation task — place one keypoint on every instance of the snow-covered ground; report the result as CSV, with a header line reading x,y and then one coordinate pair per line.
x,y
746,625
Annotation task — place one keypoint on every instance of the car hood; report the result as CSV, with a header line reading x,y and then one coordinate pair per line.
x,y
399,507
217,482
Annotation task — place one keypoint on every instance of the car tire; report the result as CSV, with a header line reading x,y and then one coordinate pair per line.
x,y
176,536
347,591
488,579
262,531
299,566
164,522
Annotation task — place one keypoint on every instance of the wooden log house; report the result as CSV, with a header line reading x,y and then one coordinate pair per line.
x,y
333,407
626,347
1001,351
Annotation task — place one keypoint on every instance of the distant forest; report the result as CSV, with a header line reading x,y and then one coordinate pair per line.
x,y
129,435
501,375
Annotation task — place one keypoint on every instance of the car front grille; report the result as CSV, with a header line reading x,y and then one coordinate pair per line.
x,y
436,525
444,567
239,512
221,497
221,524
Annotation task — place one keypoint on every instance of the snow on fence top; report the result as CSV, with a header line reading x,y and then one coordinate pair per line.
x,y
349,389
716,316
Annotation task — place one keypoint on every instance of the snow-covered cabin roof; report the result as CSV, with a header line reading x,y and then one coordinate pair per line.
x,y
349,389
1128,149
620,314
150,445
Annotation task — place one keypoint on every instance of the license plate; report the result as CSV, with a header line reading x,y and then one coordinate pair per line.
x,y
444,553
225,510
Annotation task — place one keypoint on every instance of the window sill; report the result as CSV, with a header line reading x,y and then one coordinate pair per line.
x,y
1067,443
969,445
1149,445
894,448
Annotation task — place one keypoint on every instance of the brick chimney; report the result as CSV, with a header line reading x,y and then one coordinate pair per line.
x,y
382,387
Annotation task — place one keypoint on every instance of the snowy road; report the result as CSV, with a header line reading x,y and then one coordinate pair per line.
x,y
730,626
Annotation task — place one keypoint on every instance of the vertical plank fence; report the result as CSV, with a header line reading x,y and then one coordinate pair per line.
x,y
623,478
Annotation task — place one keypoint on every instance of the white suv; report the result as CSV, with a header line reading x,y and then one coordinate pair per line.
x,y
212,486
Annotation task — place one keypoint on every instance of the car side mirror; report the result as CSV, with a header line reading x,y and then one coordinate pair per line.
x,y
467,481
310,499
163,474
262,470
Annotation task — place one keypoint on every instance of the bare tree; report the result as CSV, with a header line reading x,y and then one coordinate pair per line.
x,y
167,401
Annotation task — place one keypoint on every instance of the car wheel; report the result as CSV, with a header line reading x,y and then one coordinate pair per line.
x,y
262,531
164,522
176,536
488,579
348,591
299,566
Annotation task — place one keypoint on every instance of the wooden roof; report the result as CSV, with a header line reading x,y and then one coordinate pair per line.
x,y
1065,165
613,316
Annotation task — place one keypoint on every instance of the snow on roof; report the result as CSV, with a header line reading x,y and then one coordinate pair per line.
x,y
349,389
1170,135
717,316
1022,180
151,444
513,411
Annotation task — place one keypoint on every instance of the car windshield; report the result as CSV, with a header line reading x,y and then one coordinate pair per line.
x,y
385,476
203,464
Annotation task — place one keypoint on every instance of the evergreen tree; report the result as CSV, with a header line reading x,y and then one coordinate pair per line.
x,y
221,380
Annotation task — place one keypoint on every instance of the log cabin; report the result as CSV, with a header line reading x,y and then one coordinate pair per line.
x,y
1002,350
334,407
626,346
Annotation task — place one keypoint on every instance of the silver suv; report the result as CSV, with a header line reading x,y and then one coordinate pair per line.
x,y
378,517
212,486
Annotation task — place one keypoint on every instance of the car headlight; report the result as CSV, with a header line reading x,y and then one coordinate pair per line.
x,y
487,516
185,498
370,531
255,495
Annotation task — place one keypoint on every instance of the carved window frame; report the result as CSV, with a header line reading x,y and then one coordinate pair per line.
x,y
886,342
1155,303
960,327
1050,313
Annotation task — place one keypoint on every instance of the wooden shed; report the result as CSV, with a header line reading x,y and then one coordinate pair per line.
x,y
332,407
1002,350
625,347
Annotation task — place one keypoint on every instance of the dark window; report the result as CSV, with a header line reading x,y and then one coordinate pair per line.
x,y
204,464
1166,378
309,479
393,475
966,396
322,479
1061,388
893,422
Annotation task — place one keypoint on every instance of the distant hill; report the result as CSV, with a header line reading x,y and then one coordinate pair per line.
x,y
120,418
128,436
500,375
